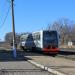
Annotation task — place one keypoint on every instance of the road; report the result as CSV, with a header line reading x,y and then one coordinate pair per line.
x,y
21,66
18,66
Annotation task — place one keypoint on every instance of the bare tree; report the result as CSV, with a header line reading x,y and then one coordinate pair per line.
x,y
66,29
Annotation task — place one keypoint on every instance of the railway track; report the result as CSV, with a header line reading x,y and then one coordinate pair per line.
x,y
70,57
23,72
62,54
68,54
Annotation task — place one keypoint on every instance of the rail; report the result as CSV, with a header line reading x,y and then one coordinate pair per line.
x,y
19,71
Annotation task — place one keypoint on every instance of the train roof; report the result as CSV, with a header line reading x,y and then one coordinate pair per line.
x,y
42,31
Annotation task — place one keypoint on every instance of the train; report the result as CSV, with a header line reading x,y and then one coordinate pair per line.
x,y
44,41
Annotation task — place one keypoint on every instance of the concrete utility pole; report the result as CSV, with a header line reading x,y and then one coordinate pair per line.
x,y
13,29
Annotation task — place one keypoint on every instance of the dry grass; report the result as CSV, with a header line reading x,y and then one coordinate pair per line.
x,y
66,46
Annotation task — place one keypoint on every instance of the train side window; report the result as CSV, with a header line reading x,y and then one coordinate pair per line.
x,y
33,37
36,37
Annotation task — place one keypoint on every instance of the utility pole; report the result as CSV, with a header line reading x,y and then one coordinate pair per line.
x,y
13,29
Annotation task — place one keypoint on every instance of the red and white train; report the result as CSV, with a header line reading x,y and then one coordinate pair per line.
x,y
44,40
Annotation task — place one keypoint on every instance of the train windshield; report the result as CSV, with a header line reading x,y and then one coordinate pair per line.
x,y
50,37
27,37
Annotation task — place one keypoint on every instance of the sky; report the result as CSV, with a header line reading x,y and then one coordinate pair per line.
x,y
33,15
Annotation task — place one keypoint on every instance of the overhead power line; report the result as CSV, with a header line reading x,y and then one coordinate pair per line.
x,y
5,18
8,1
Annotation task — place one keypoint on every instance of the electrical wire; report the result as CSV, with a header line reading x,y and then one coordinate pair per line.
x,y
5,18
8,1
3,22
1,26
7,13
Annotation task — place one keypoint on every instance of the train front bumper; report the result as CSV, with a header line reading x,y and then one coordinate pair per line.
x,y
51,50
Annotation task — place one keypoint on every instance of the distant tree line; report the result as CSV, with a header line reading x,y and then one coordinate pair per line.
x,y
65,28
9,37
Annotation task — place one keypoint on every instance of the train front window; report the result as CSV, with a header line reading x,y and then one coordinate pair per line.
x,y
50,37
27,37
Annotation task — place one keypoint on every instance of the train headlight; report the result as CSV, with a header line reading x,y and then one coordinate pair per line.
x,y
23,43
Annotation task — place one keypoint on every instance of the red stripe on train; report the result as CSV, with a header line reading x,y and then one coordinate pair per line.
x,y
51,50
